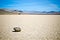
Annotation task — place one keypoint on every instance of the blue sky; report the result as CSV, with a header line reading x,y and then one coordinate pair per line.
x,y
31,5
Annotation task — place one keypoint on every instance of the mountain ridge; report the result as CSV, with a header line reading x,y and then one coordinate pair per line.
x,y
18,12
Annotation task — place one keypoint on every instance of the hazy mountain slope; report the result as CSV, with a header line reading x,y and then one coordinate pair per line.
x,y
17,12
4,12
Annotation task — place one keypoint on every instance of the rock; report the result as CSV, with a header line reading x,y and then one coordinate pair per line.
x,y
17,29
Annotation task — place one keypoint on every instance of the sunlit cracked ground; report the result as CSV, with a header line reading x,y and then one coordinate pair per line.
x,y
33,27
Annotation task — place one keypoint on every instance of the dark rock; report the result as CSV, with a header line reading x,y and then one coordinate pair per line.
x,y
17,29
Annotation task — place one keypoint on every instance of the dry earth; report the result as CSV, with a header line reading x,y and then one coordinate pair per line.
x,y
33,27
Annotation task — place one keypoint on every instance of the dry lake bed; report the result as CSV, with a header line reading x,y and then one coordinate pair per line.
x,y
33,27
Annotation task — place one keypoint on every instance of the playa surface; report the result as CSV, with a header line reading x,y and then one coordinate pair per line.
x,y
33,27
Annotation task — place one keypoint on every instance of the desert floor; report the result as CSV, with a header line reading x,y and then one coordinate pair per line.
x,y
33,27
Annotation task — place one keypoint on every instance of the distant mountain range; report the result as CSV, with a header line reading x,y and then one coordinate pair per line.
x,y
19,12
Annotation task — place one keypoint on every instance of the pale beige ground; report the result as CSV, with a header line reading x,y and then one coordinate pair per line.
x,y
33,27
